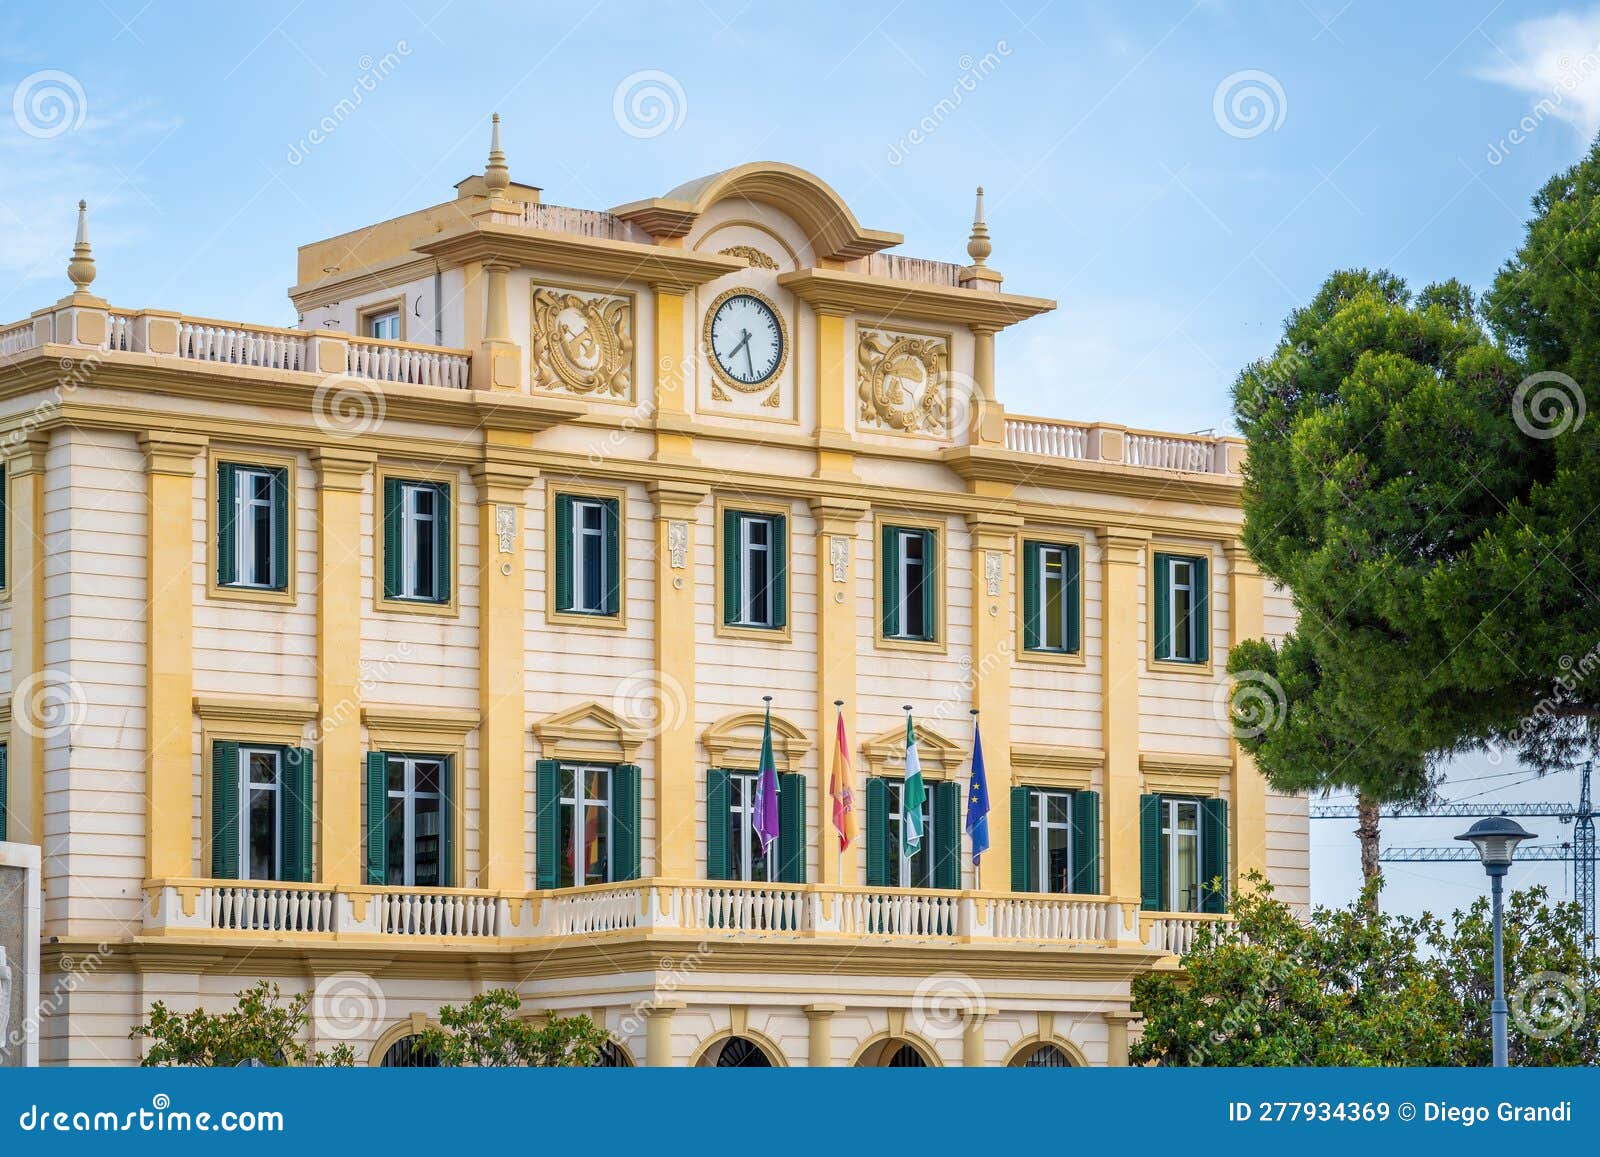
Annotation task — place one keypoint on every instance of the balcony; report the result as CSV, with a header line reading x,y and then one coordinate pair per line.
x,y
700,908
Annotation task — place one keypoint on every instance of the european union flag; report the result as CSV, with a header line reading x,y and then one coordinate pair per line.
x,y
978,800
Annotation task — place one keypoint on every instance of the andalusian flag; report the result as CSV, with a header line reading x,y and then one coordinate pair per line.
x,y
844,800
764,816
913,795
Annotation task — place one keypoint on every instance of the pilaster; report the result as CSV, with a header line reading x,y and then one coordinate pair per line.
x,y
838,523
1122,552
835,450
1117,1024
819,1054
658,1033
169,628
994,536
1248,810
341,480
25,475
672,376
677,517
502,487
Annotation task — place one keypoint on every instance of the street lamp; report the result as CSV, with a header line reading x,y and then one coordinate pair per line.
x,y
1497,839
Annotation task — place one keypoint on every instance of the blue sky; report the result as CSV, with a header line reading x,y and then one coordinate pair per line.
x,y
1175,226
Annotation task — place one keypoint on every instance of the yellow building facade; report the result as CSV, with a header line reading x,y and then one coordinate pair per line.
x,y
424,648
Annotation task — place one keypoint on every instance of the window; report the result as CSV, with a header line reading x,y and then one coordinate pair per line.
x,y
416,541
1050,605
3,762
1183,853
909,582
252,527
1182,608
754,570
732,850
937,860
260,812
1055,840
587,555
410,820
382,323
409,1053
587,830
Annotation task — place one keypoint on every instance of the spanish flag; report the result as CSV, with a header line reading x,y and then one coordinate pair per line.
x,y
844,800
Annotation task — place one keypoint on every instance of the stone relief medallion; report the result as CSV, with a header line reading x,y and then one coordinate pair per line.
x,y
582,343
903,380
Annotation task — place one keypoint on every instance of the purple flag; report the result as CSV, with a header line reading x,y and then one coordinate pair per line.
x,y
764,816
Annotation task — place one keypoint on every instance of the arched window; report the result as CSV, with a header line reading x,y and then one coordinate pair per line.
x,y
739,1052
404,1054
1046,1057
905,1057
612,1057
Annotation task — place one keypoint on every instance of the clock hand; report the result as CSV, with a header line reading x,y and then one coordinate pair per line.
x,y
749,363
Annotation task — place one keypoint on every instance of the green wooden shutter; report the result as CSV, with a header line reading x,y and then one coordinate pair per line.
x,y
443,542
930,585
227,525
732,585
1031,633
377,812
447,822
792,828
1074,598
1160,627
889,581
3,761
391,538
717,825
625,822
299,781
878,873
1023,852
1152,870
780,570
547,821
281,559
1086,842
562,562
1202,610
225,810
612,519
1214,854
947,827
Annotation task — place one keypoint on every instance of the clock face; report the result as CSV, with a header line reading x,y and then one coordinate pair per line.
x,y
746,339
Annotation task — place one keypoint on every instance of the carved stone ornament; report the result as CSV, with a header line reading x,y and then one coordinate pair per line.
x,y
582,344
903,382
505,527
756,258
839,557
678,543
993,565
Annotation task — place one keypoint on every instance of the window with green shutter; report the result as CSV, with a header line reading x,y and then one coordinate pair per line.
x,y
587,552
1051,603
418,559
587,824
253,524
936,863
412,808
755,567
880,858
1183,844
1181,627
733,850
908,578
262,801
547,821
4,750
1055,840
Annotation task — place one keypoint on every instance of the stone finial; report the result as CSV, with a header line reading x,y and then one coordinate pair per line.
x,y
496,174
81,268
978,247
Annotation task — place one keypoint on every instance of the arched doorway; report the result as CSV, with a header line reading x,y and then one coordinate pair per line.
x,y
905,1057
736,1052
1045,1056
894,1053
612,1056
404,1054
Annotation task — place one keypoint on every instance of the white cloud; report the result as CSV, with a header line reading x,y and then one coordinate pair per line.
x,y
1555,61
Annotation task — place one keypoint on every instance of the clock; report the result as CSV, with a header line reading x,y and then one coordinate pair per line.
x,y
746,339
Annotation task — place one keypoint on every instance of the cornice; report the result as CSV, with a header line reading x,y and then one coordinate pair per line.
x,y
388,275
885,297
985,464
589,257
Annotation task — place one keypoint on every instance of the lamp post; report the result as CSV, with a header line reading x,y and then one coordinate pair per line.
x,y
1496,839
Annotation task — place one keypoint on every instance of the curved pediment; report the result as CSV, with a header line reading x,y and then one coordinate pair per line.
x,y
812,203
734,742
588,733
